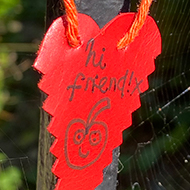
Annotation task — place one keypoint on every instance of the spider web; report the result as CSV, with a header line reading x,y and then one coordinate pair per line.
x,y
155,153
16,173
18,160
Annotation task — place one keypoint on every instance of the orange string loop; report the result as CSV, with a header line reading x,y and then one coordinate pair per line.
x,y
72,32
137,24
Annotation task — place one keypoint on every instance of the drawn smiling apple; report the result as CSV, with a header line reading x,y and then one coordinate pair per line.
x,y
86,140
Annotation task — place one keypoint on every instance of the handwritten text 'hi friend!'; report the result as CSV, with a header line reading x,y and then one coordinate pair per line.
x,y
103,84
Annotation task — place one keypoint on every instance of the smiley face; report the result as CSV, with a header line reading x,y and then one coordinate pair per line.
x,y
85,141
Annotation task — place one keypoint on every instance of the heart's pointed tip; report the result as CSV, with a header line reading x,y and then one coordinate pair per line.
x,y
78,182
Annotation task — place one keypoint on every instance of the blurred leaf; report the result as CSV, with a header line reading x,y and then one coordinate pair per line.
x,y
10,179
8,6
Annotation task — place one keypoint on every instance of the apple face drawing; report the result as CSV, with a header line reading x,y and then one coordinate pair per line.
x,y
86,141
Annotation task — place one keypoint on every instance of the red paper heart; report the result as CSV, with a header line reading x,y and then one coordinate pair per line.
x,y
93,90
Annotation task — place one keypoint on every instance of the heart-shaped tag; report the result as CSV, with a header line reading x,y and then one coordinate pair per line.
x,y
92,91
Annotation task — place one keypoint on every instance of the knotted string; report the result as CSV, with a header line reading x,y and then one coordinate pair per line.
x,y
72,32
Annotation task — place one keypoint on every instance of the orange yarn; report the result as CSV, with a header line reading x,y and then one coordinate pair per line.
x,y
137,24
72,32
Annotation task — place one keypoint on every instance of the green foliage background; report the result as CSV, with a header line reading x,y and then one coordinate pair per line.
x,y
22,29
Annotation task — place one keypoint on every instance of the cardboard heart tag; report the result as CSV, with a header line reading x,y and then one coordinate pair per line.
x,y
92,91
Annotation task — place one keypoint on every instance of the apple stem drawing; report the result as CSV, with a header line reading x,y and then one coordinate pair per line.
x,y
108,106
